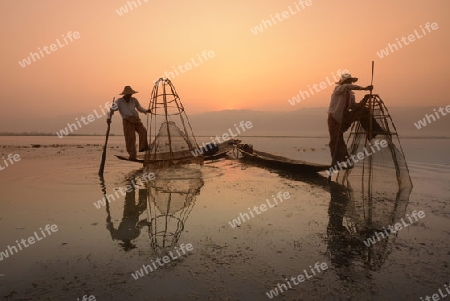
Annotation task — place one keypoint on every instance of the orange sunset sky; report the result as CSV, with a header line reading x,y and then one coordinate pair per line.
x,y
248,71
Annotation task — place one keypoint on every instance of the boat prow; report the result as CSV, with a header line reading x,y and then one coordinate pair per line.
x,y
279,162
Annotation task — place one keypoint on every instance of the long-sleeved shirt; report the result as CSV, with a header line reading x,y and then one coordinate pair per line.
x,y
127,109
339,98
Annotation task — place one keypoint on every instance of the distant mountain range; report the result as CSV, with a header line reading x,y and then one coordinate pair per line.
x,y
312,122
308,122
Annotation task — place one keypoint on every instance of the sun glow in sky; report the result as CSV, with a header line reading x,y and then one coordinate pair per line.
x,y
298,44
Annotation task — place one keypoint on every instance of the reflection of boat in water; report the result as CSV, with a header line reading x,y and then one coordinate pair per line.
x,y
279,162
163,205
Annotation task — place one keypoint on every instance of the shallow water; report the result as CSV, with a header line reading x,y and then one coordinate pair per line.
x,y
95,251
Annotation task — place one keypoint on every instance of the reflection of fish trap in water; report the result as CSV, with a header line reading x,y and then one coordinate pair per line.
x,y
171,138
379,181
171,199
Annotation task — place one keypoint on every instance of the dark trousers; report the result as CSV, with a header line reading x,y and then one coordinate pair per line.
x,y
130,126
338,148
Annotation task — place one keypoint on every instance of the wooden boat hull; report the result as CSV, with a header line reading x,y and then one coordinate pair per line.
x,y
222,149
279,162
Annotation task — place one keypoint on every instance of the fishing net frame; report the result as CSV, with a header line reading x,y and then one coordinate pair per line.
x,y
167,110
377,112
379,185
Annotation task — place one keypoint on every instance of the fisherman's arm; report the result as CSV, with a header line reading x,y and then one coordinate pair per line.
x,y
114,107
353,104
356,87
140,108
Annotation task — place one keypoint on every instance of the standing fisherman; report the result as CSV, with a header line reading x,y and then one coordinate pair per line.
x,y
343,111
127,106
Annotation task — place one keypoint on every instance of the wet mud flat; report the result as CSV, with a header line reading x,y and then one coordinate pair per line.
x,y
96,251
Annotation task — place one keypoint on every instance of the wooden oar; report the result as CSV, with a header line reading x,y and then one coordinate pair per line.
x,y
102,164
371,81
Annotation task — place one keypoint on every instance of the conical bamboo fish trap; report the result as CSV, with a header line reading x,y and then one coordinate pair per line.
x,y
172,141
380,181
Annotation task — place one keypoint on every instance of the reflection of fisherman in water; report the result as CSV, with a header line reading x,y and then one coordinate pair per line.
x,y
171,199
343,246
130,226
167,199
351,222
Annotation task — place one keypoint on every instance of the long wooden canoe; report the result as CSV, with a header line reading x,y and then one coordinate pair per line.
x,y
279,162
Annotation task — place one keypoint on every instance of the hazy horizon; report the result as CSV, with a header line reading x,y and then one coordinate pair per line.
x,y
302,122
266,56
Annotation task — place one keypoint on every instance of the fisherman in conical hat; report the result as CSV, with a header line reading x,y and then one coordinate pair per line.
x,y
343,111
128,107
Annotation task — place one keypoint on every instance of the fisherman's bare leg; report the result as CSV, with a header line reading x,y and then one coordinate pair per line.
x,y
130,138
142,132
338,148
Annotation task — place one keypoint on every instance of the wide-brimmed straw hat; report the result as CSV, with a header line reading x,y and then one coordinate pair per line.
x,y
347,77
128,90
